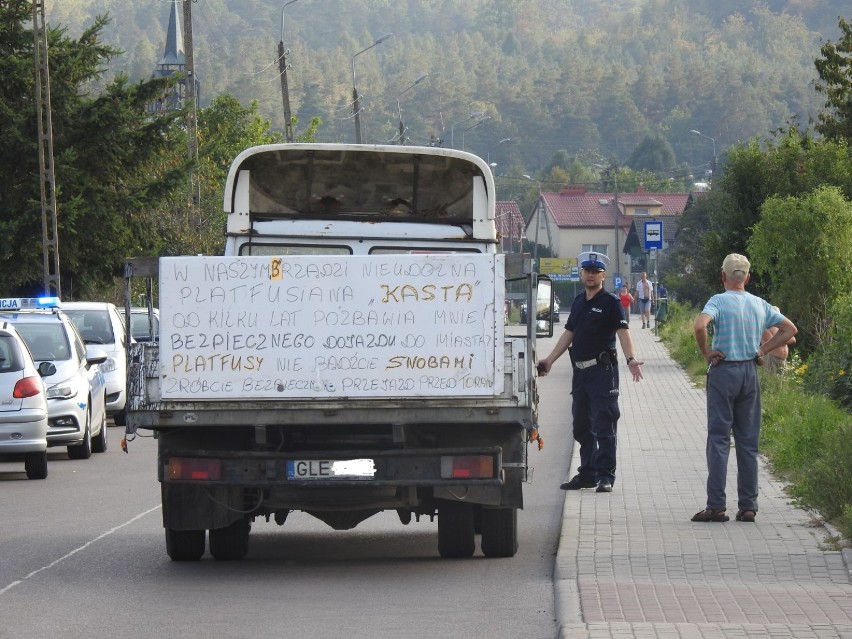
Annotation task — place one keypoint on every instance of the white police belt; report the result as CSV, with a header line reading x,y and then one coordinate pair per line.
x,y
587,364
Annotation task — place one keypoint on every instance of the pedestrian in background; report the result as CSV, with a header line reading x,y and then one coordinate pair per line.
x,y
626,301
595,320
645,295
776,359
733,392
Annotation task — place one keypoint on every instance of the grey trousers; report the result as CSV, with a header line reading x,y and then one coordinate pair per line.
x,y
733,406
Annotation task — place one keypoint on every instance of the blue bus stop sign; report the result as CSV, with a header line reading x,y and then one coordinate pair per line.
x,y
653,235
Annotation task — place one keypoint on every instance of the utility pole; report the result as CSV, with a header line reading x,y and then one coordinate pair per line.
x,y
285,90
49,223
191,118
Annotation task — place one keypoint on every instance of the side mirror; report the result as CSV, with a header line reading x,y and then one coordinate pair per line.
x,y
95,355
544,307
46,369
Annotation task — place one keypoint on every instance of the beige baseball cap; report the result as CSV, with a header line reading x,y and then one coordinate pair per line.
x,y
736,262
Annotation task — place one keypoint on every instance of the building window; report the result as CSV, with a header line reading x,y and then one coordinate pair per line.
x,y
641,212
596,248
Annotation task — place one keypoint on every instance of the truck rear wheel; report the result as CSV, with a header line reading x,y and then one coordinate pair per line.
x,y
185,545
499,532
230,542
455,530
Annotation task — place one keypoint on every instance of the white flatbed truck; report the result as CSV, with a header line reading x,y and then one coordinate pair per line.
x,y
353,351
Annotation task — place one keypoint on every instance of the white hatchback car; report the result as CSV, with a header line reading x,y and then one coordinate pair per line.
x,y
23,404
101,324
76,406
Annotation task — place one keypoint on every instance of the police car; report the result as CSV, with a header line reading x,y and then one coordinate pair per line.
x,y
23,404
100,324
76,391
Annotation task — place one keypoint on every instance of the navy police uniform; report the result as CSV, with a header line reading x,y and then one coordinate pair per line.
x,y
595,382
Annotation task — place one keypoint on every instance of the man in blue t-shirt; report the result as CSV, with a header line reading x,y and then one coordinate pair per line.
x,y
733,392
596,319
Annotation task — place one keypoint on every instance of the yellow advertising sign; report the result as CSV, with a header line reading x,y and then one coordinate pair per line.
x,y
557,265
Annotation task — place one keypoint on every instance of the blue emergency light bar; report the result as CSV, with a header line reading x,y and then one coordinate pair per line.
x,y
28,303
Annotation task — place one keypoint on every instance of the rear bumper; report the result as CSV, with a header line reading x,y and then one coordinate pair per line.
x,y
23,432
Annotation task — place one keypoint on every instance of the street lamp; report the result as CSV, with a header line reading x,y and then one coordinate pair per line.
x,y
356,103
476,114
713,165
399,109
282,67
482,119
488,153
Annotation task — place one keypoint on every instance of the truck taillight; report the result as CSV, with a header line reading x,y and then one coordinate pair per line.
x,y
195,468
467,467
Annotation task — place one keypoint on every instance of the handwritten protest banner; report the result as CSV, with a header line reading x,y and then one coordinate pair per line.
x,y
331,327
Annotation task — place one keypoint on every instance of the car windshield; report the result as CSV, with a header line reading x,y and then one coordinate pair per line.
x,y
93,325
47,342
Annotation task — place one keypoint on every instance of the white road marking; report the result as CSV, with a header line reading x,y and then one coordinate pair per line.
x,y
76,550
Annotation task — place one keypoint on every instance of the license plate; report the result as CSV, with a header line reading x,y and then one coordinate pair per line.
x,y
330,469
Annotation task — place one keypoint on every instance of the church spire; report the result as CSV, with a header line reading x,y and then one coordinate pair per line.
x,y
173,55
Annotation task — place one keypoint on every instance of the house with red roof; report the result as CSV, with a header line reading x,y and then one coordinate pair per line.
x,y
572,221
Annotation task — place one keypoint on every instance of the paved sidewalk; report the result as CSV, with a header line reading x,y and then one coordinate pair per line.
x,y
631,563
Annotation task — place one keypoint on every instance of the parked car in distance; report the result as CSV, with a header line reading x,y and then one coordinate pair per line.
x,y
102,324
140,326
76,391
23,404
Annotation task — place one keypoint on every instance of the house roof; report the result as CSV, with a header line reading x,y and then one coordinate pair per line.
x,y
574,208
670,224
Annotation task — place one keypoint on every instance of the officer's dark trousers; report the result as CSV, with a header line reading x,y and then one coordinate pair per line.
x,y
595,412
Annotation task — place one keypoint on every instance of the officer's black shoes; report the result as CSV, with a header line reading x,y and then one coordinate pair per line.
x,y
576,483
603,487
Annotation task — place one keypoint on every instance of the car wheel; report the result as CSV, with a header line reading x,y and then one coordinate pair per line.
x,y
185,545
36,465
230,542
83,450
99,442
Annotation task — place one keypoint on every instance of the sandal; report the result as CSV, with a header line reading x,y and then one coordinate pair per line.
x,y
711,514
746,515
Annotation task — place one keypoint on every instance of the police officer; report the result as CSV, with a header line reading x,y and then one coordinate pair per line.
x,y
596,318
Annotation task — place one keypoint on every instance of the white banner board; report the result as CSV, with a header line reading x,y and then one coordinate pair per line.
x,y
331,327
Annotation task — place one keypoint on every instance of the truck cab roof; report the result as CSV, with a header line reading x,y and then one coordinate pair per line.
x,y
333,183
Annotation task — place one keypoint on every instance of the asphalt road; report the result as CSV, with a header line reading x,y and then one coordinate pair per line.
x,y
82,554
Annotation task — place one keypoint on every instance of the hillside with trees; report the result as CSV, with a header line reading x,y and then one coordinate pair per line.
x,y
594,77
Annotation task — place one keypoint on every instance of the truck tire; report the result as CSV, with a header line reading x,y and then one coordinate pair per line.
x,y
185,545
230,542
455,530
36,465
499,532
